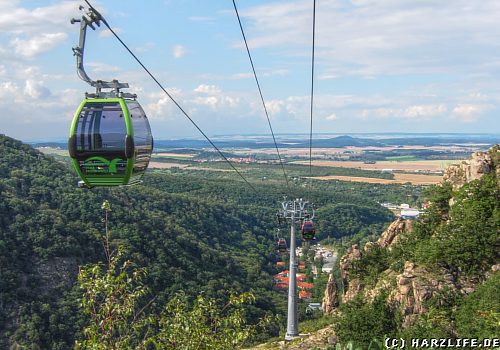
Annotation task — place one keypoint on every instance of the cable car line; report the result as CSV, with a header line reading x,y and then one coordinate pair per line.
x,y
260,92
173,100
312,89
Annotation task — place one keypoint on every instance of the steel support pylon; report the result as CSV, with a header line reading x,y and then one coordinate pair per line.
x,y
292,330
293,210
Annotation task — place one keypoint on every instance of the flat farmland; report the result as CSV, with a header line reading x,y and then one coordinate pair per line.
x,y
411,165
349,150
162,165
414,179
174,155
167,165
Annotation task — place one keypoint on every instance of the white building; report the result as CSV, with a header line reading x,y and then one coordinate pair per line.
x,y
409,213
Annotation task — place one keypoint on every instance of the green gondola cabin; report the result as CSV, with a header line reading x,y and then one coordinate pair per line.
x,y
110,141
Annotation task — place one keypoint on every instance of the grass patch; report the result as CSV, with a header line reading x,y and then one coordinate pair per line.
x,y
401,158
315,324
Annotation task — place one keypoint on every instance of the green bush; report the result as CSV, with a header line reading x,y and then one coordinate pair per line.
x,y
360,321
478,315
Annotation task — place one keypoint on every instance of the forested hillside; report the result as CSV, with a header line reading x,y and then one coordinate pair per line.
x,y
50,227
191,232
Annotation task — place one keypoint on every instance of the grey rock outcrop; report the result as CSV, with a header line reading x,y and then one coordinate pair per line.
x,y
331,298
414,287
351,286
469,170
393,233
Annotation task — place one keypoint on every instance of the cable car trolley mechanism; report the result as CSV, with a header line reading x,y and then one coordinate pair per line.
x,y
110,139
299,210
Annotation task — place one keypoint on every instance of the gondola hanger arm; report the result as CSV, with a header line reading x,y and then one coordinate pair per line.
x,y
90,18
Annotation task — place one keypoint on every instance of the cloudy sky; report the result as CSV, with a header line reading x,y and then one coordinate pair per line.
x,y
382,65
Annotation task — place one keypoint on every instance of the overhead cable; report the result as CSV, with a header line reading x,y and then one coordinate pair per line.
x,y
312,88
260,92
173,100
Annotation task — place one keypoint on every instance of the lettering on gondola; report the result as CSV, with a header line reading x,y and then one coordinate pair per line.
x,y
100,165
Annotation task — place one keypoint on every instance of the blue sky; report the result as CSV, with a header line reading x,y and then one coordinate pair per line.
x,y
382,66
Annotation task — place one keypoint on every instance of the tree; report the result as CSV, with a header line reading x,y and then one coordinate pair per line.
x,y
114,299
111,297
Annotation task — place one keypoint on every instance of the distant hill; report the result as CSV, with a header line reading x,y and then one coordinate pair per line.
x,y
341,141
318,142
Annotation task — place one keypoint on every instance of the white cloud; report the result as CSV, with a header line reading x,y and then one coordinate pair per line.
x,y
35,89
424,111
371,38
106,33
469,113
208,89
274,106
19,20
145,48
418,112
159,106
159,109
214,98
210,101
216,103
8,89
332,117
99,67
179,51
38,44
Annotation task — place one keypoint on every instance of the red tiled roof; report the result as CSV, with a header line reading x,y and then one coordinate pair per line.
x,y
305,285
301,277
305,295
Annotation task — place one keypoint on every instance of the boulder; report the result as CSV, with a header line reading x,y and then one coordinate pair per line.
x,y
392,234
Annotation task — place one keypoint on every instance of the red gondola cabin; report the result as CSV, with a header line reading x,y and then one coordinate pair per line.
x,y
281,245
308,230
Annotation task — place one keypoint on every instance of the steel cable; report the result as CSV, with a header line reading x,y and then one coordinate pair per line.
x,y
173,100
260,93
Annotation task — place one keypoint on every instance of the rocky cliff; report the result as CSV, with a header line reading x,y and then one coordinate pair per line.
x,y
392,234
353,285
412,286
331,299
479,164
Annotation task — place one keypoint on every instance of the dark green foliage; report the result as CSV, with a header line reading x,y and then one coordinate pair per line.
x,y
338,220
478,315
361,321
371,264
194,232
469,242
